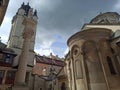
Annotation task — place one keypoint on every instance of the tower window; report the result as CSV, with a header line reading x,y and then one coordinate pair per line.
x,y
111,67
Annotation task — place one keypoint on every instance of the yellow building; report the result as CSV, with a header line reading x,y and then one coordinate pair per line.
x,y
93,61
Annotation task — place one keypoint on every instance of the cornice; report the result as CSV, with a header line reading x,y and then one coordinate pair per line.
x,y
92,33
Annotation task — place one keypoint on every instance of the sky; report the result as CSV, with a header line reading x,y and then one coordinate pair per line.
x,y
58,20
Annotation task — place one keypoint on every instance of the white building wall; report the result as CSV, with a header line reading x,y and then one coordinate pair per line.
x,y
112,27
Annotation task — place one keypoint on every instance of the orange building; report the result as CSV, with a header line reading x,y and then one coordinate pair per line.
x,y
48,72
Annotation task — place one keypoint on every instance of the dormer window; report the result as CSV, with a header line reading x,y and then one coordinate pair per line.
x,y
6,59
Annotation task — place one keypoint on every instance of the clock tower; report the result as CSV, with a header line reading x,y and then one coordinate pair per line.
x,y
16,35
22,40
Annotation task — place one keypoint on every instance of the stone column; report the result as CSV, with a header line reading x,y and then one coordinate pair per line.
x,y
27,35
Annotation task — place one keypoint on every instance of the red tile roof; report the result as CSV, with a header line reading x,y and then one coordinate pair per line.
x,y
50,61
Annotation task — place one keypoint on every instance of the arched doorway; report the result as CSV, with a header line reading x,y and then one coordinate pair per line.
x,y
63,86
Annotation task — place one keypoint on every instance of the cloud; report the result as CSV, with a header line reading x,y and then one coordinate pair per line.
x,y
66,51
5,29
45,51
44,39
45,5
117,5
60,18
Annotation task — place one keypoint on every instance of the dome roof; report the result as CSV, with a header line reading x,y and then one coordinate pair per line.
x,y
106,18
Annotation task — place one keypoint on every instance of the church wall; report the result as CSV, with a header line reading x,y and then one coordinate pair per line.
x,y
99,46
115,51
93,68
112,75
86,68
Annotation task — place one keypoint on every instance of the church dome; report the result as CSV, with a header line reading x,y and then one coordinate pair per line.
x,y
106,18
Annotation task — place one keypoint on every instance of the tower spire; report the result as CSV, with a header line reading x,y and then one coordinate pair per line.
x,y
35,13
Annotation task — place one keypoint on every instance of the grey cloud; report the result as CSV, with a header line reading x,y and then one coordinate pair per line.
x,y
61,17
43,38
71,15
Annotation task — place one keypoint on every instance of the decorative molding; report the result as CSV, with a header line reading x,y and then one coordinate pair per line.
x,y
90,34
106,18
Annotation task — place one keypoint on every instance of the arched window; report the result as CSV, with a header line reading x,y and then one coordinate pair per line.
x,y
63,86
110,64
78,69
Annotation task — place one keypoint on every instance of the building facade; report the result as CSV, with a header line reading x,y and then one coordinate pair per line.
x,y
49,73
93,61
7,72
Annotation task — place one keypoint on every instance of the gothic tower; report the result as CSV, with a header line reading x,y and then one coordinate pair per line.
x,y
16,38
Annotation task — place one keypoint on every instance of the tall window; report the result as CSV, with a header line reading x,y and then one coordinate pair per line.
x,y
8,58
63,86
110,64
11,74
1,57
1,75
44,71
78,69
27,77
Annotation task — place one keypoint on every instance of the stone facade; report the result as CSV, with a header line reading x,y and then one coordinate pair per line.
x,y
93,58
43,66
16,39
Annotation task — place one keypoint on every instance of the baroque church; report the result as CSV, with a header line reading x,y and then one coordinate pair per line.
x,y
93,61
